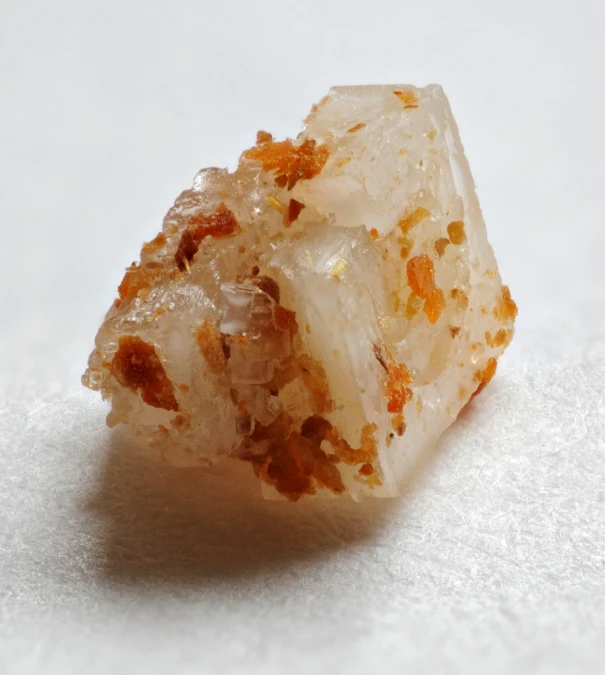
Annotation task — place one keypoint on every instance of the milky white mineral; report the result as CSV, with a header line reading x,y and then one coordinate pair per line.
x,y
323,313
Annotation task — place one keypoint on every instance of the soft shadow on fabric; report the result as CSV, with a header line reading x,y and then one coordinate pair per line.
x,y
181,525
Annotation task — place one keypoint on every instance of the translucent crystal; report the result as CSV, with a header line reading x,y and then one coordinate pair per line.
x,y
324,312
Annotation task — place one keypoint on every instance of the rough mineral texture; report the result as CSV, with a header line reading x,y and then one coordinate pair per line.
x,y
323,313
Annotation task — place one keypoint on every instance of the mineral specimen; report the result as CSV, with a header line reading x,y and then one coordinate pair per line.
x,y
322,313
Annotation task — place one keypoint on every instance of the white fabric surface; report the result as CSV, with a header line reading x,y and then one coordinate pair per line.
x,y
494,562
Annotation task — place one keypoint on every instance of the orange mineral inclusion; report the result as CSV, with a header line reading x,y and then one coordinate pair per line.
x,y
209,341
137,366
220,224
421,277
289,162
485,377
397,392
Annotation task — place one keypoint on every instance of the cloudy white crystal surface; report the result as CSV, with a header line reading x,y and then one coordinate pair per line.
x,y
324,312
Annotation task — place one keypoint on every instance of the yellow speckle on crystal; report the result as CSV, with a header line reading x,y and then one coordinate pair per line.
x,y
339,268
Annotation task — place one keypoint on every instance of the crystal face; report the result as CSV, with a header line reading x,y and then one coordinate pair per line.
x,y
323,313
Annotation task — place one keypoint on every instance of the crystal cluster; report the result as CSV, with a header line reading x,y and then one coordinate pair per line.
x,y
322,313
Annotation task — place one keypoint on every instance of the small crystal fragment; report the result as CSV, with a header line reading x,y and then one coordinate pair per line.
x,y
322,313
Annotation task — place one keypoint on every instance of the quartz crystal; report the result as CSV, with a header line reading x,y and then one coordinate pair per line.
x,y
322,313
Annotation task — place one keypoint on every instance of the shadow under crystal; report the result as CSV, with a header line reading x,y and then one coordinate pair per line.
x,y
162,524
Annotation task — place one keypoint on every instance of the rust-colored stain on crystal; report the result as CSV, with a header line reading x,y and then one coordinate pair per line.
x,y
220,224
267,285
411,220
412,306
374,233
357,127
294,209
440,246
434,305
209,341
421,277
180,421
406,245
137,366
342,162
506,310
397,392
499,339
312,374
140,278
285,319
398,424
408,98
367,451
315,379
291,459
456,233
485,376
315,107
295,162
319,429
294,463
263,137
158,242
460,297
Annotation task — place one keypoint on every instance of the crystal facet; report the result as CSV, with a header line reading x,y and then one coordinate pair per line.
x,y
324,312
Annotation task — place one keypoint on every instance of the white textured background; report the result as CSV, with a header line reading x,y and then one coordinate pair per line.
x,y
495,560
